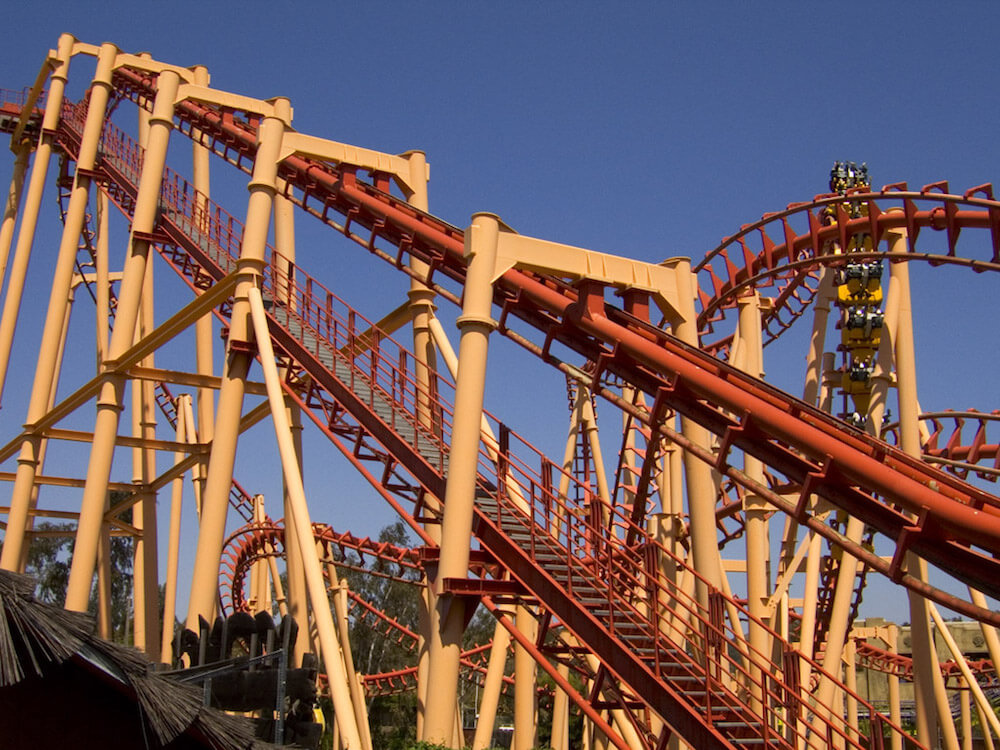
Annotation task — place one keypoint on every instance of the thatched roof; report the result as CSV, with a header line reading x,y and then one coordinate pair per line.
x,y
57,675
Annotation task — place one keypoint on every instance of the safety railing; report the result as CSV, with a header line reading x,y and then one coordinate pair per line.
x,y
125,155
756,693
18,98
582,546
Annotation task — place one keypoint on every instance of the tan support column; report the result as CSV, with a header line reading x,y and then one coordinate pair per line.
x,y
817,340
357,692
43,444
220,468
204,341
197,483
323,617
279,591
145,570
29,221
932,710
425,365
61,283
296,595
755,512
895,710
448,616
589,423
851,682
183,407
966,718
421,300
814,556
559,739
283,260
989,633
104,624
23,151
525,682
203,328
109,400
102,293
836,637
700,487
963,666
660,528
491,689
259,566
987,736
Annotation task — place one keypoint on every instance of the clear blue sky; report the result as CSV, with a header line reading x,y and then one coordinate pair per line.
x,y
644,129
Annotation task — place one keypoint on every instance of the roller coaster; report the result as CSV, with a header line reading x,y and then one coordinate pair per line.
x,y
698,585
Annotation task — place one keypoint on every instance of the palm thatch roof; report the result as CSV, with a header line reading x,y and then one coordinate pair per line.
x,y
58,678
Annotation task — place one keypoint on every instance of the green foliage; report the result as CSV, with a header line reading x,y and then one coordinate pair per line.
x,y
49,557
392,717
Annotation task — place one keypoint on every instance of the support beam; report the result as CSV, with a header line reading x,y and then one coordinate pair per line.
x,y
323,617
250,267
110,397
61,283
32,204
448,616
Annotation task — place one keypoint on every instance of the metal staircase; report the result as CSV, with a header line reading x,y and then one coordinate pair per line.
x,y
593,568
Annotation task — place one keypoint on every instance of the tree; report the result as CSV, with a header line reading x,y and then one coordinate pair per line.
x,y
393,589
49,557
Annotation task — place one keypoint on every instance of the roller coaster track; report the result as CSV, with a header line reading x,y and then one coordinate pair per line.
x,y
588,574
371,394
751,258
851,471
257,541
881,660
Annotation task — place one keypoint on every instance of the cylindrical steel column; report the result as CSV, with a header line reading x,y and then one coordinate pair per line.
x,y
32,203
424,367
13,204
448,616
102,291
491,689
330,646
895,710
933,712
145,570
204,340
559,738
109,400
755,512
215,504
354,685
62,279
525,682
698,475
43,444
283,287
182,407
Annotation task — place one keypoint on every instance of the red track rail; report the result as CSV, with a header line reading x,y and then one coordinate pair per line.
x,y
872,657
751,258
804,445
854,473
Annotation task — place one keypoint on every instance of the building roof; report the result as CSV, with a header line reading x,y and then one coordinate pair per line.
x,y
53,656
